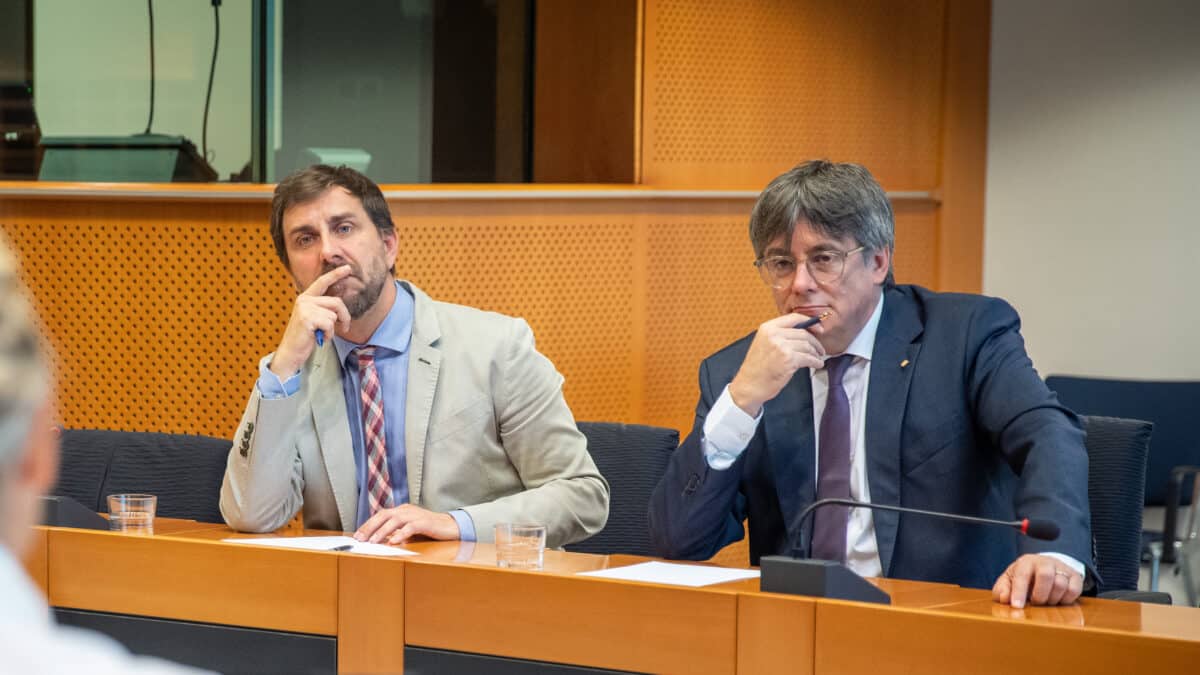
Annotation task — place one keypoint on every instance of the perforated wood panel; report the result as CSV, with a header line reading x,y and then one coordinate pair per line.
x,y
155,311
703,294
737,92
160,311
917,250
569,270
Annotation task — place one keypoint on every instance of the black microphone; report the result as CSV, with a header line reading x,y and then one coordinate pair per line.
x,y
1031,527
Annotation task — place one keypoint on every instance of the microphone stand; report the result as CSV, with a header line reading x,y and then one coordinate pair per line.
x,y
1036,529
799,575
818,579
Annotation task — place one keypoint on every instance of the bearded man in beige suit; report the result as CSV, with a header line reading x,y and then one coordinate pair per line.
x,y
393,415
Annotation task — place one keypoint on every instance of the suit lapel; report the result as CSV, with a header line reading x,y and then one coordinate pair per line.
x,y
333,432
788,422
424,364
887,401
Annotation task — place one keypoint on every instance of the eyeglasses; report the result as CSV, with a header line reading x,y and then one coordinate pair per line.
x,y
825,267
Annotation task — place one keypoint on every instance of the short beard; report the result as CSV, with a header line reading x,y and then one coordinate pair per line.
x,y
359,304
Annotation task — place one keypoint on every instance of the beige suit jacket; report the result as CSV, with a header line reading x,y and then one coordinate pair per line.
x,y
486,431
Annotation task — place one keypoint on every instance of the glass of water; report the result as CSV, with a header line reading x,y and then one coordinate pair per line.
x,y
132,513
520,547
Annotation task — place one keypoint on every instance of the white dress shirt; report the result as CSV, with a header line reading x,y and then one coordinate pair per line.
x,y
728,430
32,643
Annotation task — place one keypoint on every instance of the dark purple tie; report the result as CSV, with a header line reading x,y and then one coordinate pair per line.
x,y
833,476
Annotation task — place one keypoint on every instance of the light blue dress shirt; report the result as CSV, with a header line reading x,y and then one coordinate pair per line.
x,y
391,341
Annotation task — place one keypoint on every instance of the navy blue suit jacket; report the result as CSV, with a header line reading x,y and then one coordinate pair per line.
x,y
965,426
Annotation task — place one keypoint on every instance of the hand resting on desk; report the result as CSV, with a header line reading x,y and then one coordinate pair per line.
x,y
399,524
1038,579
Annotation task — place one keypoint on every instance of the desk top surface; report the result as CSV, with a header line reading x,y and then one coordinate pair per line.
x,y
1145,620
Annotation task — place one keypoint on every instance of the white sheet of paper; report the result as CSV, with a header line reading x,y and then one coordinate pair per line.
x,y
674,574
325,544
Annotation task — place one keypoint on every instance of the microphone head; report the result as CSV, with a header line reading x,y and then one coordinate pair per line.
x,y
1045,530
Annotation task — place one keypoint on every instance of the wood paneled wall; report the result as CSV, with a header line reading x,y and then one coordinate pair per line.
x,y
585,91
738,92
735,93
727,95
158,310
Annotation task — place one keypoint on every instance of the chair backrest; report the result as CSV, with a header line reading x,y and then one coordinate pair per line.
x,y
632,458
1173,407
1117,450
83,465
184,471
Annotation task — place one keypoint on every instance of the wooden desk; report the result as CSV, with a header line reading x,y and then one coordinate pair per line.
x,y
452,597
963,631
467,604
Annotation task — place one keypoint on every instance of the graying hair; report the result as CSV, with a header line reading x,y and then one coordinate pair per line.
x,y
23,374
842,201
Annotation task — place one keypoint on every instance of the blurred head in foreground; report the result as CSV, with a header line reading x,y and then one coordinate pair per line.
x,y
28,442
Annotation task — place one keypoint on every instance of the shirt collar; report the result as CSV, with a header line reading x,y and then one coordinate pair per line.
x,y
393,334
863,344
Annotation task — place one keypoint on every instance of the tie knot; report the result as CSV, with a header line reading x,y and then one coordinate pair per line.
x,y
836,368
365,356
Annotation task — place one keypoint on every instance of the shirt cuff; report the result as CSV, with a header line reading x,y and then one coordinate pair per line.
x,y
271,387
727,432
466,526
1069,562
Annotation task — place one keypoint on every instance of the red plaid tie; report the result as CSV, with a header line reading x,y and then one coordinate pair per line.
x,y
379,483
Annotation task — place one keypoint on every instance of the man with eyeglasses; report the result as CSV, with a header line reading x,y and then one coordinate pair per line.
x,y
897,395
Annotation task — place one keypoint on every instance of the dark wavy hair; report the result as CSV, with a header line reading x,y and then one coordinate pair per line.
x,y
843,201
306,185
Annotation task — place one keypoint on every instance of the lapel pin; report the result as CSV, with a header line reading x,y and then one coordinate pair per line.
x,y
904,363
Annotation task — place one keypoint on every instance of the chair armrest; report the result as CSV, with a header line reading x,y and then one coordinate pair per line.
x,y
1154,597
1174,488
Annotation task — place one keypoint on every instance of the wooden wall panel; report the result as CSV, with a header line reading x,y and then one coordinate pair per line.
x,y
160,308
155,311
917,249
566,268
737,92
585,91
159,311
702,292
964,147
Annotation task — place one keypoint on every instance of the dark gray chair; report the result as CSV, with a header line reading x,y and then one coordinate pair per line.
x,y
184,471
1173,407
631,457
1116,475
